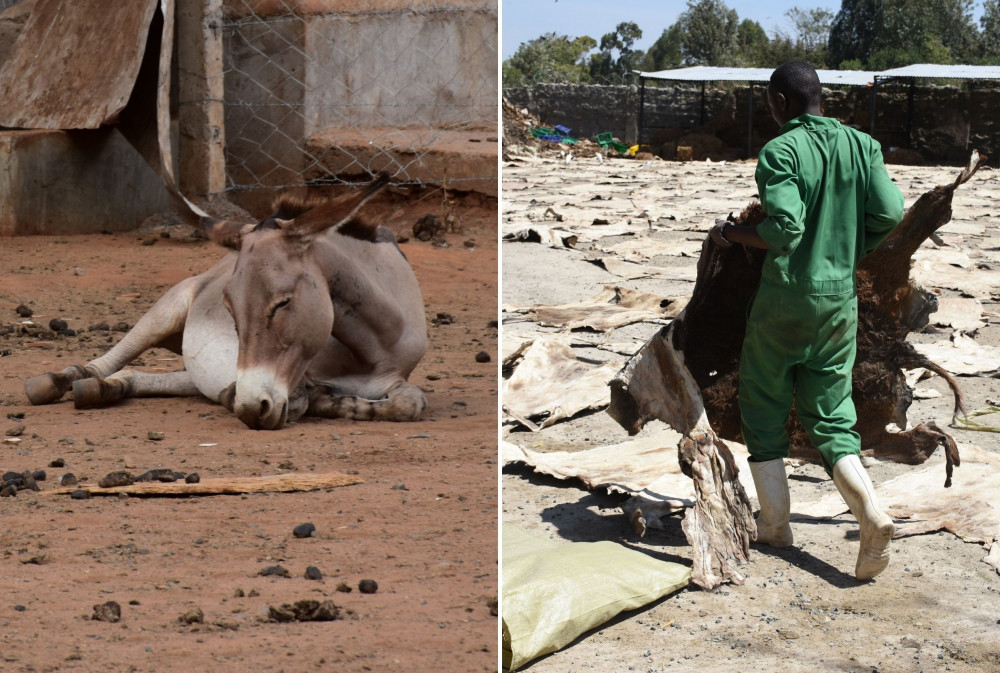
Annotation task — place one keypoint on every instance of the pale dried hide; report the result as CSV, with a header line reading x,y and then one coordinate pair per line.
x,y
553,237
962,313
636,270
963,356
549,383
611,308
919,503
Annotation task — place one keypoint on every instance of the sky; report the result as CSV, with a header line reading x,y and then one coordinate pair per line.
x,y
524,20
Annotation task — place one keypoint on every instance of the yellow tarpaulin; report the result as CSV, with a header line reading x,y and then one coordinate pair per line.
x,y
554,592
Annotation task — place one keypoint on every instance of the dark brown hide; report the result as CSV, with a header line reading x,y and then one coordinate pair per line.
x,y
711,329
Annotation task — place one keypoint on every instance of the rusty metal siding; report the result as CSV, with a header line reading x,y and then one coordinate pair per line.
x,y
75,64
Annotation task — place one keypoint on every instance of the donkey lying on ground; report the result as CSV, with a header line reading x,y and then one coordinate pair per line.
x,y
315,312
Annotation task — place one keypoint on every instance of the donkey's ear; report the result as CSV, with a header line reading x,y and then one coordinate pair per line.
x,y
227,233
335,213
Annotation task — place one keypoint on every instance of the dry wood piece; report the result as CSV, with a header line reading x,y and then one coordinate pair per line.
x,y
281,483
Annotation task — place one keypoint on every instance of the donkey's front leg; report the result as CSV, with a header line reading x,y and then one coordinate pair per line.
x,y
164,319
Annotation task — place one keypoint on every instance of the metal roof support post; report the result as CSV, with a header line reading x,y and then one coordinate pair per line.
x,y
702,123
909,113
871,113
642,105
750,122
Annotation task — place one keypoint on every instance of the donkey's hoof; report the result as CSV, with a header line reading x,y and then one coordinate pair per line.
x,y
89,393
42,389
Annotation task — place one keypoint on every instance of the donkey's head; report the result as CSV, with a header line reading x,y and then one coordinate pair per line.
x,y
279,298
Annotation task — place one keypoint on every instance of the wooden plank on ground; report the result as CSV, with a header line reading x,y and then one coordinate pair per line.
x,y
279,483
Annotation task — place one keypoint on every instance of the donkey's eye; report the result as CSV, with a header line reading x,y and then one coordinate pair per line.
x,y
280,305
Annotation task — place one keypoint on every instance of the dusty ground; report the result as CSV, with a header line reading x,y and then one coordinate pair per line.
x,y
937,606
422,524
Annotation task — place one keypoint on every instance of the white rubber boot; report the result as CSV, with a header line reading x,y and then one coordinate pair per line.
x,y
876,527
775,505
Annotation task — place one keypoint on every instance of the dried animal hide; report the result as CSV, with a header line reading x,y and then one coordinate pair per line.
x,y
970,510
549,383
613,307
703,345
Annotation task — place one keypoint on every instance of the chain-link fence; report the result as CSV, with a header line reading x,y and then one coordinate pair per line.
x,y
327,91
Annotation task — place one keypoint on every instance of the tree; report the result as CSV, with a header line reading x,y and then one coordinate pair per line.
x,y
990,38
752,44
709,31
549,58
852,31
903,32
812,27
665,53
605,68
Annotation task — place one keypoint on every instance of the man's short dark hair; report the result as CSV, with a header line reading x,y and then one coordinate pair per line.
x,y
798,81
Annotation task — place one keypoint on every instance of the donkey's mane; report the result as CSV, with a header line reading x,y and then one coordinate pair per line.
x,y
290,206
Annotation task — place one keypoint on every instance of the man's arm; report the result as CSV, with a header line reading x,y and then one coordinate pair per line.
x,y
883,204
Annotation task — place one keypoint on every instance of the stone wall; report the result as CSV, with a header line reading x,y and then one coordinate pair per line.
x,y
946,122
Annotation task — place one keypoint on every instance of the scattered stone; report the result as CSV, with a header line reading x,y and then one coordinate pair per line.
x,y
427,227
238,593
24,311
121,326
110,611
367,586
195,616
80,494
192,478
483,356
16,415
39,475
100,327
155,435
165,475
16,431
313,573
58,324
443,319
304,611
275,571
8,491
304,530
68,479
116,479
344,588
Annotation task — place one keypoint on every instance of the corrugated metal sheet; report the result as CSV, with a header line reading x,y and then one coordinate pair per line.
x,y
944,71
74,64
702,73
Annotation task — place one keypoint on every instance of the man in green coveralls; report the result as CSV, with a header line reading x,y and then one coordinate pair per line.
x,y
828,200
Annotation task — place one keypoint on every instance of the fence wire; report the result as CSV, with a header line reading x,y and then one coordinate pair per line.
x,y
330,91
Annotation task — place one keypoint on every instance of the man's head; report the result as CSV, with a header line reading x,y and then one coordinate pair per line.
x,y
794,90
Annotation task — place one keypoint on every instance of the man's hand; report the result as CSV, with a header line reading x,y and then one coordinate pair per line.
x,y
718,235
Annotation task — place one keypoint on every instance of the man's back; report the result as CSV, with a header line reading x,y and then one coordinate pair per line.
x,y
829,200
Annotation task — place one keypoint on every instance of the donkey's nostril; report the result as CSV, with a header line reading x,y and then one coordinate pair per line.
x,y
265,408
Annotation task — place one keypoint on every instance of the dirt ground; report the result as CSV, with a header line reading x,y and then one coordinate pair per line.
x,y
422,523
936,607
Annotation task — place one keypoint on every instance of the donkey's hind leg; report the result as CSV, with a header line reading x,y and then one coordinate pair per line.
x,y
95,392
404,402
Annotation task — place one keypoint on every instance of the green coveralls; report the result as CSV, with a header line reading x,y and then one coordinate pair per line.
x,y
829,200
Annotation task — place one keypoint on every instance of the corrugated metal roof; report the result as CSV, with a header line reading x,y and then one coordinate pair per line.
x,y
944,71
701,73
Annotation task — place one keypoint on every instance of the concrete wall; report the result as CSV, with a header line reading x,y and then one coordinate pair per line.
x,y
327,93
947,121
74,182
